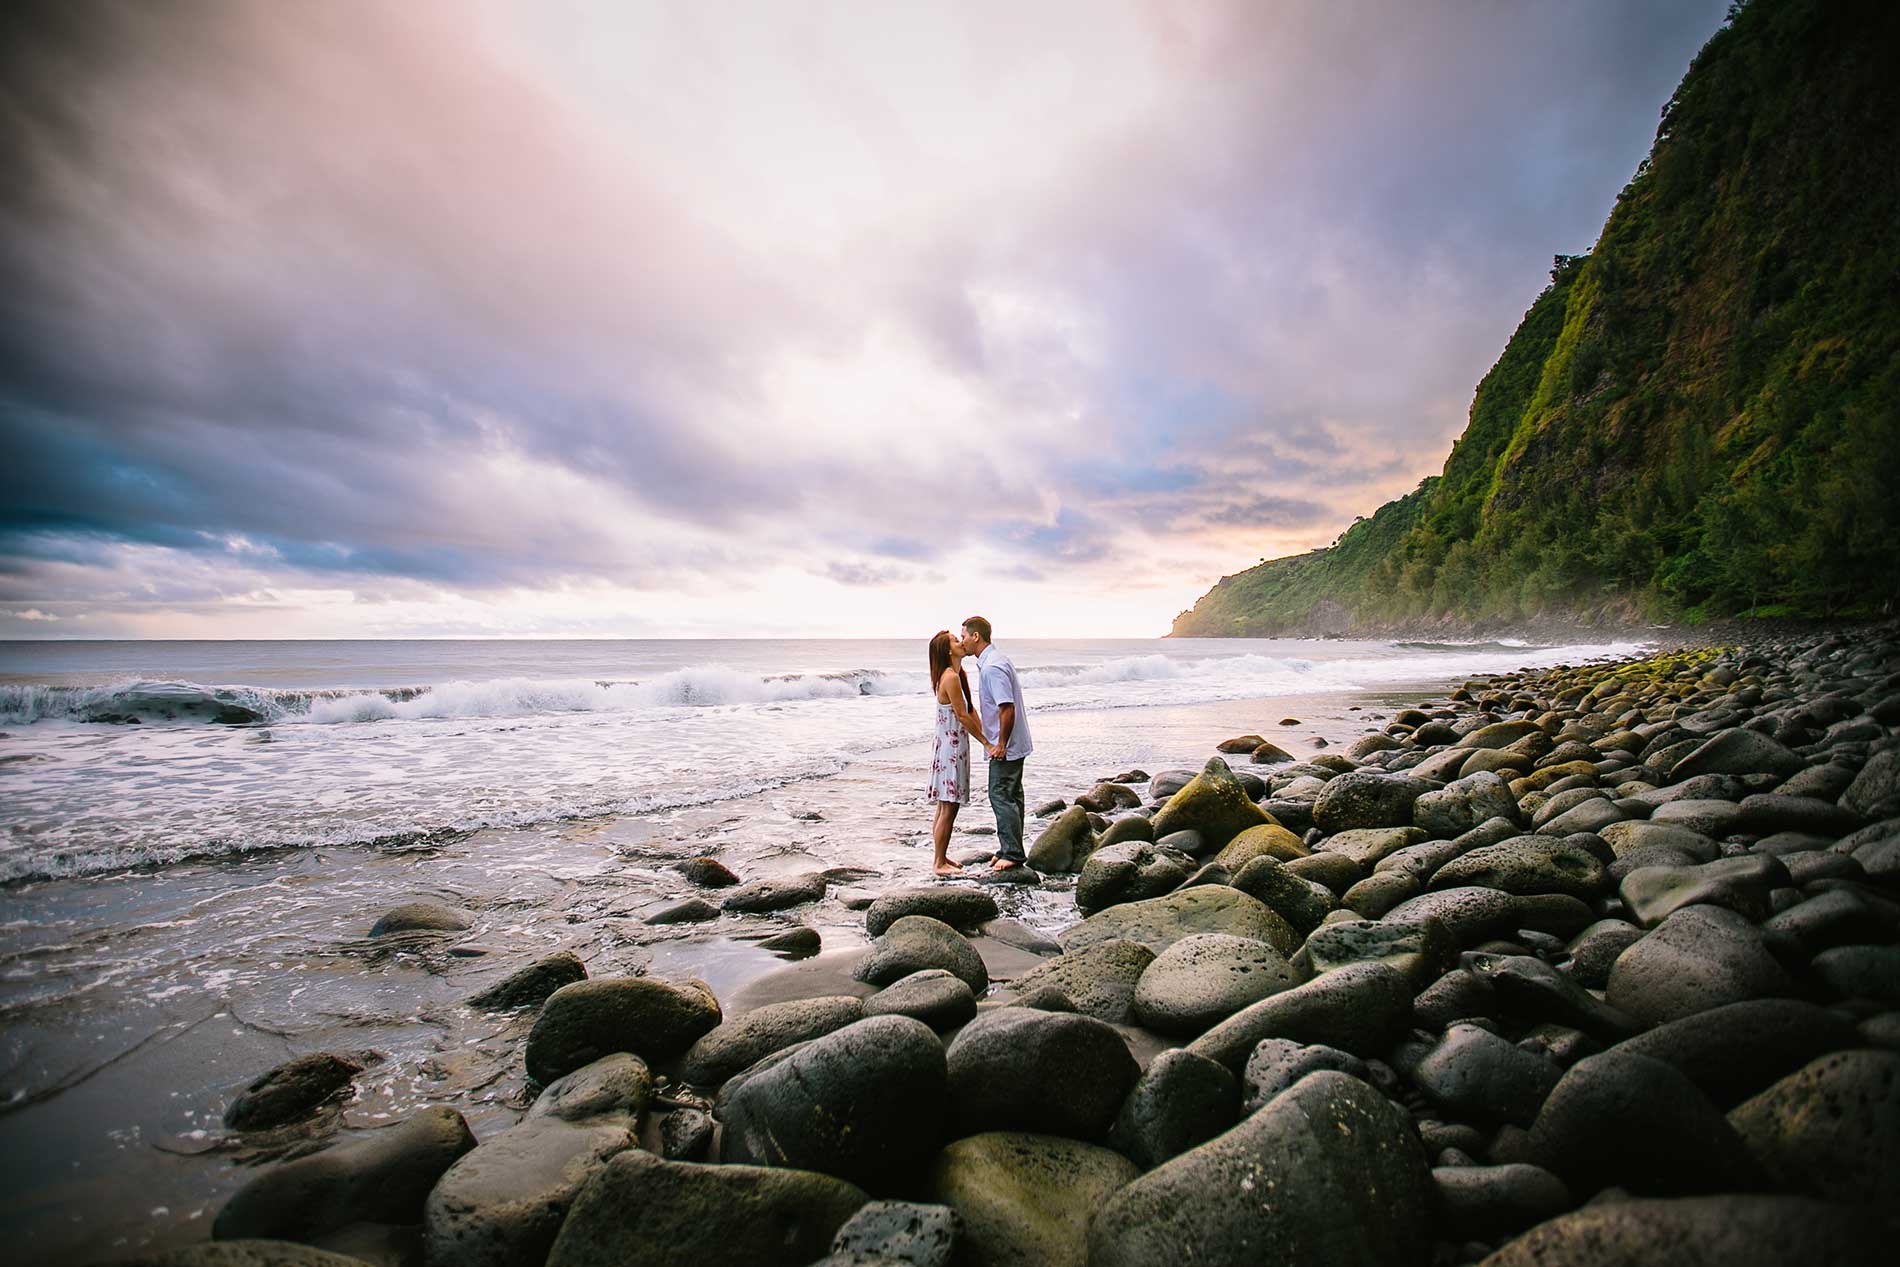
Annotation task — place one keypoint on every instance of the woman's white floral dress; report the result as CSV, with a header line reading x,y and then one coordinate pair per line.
x,y
950,761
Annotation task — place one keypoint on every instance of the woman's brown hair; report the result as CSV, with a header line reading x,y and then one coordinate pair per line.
x,y
940,660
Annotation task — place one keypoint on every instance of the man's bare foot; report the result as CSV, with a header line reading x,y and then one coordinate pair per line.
x,y
948,868
1003,864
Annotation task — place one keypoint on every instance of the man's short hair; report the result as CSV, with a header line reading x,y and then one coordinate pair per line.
x,y
978,626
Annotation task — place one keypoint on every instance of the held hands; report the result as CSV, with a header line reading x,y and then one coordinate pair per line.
x,y
996,751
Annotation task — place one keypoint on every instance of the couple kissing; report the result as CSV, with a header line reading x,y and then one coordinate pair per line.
x,y
996,718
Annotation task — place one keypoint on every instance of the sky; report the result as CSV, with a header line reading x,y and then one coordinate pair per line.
x,y
772,319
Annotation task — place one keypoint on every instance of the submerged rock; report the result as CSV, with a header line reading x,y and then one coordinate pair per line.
x,y
531,986
382,1177
651,1018
420,917
293,1091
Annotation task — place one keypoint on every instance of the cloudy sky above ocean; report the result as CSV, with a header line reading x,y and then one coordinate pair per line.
x,y
406,319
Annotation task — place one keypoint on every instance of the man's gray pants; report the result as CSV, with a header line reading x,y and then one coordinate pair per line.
x,y
1006,798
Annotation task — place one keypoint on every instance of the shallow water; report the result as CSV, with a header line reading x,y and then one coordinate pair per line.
x,y
137,999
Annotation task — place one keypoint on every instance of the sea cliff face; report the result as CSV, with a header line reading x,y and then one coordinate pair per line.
x,y
1700,417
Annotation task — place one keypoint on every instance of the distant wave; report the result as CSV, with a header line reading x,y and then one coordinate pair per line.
x,y
146,701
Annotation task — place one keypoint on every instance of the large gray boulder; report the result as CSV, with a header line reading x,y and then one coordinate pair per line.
x,y
1054,1073
897,1232
1830,1129
1700,957
1365,799
1278,1063
1065,844
1330,1171
640,1211
1463,804
1129,872
863,1103
1875,791
1181,1100
1422,951
1618,1119
502,1204
1299,901
1202,980
1098,980
382,1177
617,1088
1473,1074
1362,1008
959,907
1742,884
915,942
1026,1200
1719,1231
1526,865
737,1044
935,997
1738,752
1732,1052
1161,921
650,1017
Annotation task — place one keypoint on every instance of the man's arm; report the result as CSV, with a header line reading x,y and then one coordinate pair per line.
x,y
1005,723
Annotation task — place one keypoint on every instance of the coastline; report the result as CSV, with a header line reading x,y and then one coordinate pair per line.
x,y
486,1084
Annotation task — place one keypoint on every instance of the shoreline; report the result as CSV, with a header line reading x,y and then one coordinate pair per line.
x,y
1107,882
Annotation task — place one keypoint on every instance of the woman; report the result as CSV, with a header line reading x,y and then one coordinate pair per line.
x,y
950,759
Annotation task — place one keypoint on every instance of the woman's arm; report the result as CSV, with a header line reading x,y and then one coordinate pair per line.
x,y
950,691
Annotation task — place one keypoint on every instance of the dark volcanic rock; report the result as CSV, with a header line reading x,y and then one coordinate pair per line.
x,y
897,1232
1624,1120
1422,951
1527,865
382,1177
1738,752
960,908
1698,958
1832,1129
937,998
531,986
1053,1073
652,1018
1064,844
1463,804
1026,1200
1202,980
1277,1064
707,871
686,1135
1328,1172
1181,1100
1530,989
1300,902
1097,980
644,1212
1160,922
915,942
694,910
1593,952
292,1091
1732,1052
735,1045
1365,799
1362,1008
1741,884
863,1103
414,917
776,894
502,1204
1472,1074
1489,1202
242,1253
617,1088
1129,872
1721,1231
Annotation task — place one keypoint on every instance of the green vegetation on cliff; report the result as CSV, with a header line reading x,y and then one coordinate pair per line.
x,y
1703,414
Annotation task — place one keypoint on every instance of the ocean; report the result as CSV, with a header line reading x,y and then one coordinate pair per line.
x,y
195,838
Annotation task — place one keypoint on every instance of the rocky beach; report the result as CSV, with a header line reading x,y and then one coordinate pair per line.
x,y
1585,964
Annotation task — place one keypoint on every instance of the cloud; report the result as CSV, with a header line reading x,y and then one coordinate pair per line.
x,y
476,304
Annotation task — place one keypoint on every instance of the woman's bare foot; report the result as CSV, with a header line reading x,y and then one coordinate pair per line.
x,y
948,868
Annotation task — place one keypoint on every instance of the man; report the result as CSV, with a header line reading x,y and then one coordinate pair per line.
x,y
999,706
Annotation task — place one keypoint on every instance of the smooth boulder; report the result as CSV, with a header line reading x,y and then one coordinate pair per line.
x,y
1200,981
650,1017
1158,923
737,1044
1053,1073
1027,1200
1330,1171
